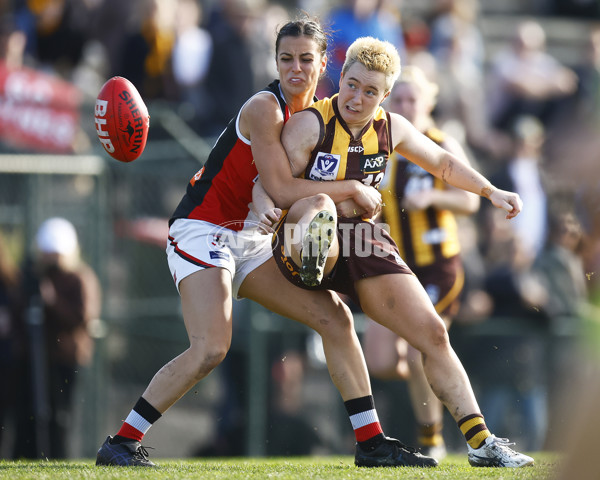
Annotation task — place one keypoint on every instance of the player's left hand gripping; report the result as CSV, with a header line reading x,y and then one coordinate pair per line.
x,y
509,201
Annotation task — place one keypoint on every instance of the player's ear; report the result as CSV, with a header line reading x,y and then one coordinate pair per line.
x,y
385,96
323,64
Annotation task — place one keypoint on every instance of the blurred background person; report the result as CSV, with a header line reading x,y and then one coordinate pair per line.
x,y
525,79
420,211
230,77
145,53
586,99
458,48
559,269
11,337
523,172
353,19
192,53
69,295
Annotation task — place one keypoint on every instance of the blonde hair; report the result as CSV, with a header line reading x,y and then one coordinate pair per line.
x,y
376,55
413,75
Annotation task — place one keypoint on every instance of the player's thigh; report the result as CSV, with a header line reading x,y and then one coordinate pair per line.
x,y
207,306
399,302
318,309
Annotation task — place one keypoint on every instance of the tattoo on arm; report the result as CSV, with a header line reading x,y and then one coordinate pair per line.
x,y
447,171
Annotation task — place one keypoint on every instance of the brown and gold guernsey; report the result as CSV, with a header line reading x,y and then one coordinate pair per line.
x,y
423,237
366,250
340,156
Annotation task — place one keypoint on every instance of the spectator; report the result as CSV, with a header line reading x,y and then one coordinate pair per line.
x,y
525,79
523,173
145,54
191,57
559,269
10,335
70,298
458,48
353,19
587,96
230,79
56,38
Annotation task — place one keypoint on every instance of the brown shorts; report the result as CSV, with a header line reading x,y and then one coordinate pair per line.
x,y
443,281
366,250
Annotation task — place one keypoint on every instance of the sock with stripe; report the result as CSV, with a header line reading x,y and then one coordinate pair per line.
x,y
430,435
137,423
474,429
363,416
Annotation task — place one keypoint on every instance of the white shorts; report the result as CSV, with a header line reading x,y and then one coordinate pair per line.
x,y
194,245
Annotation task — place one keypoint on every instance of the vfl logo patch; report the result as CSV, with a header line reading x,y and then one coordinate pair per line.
x,y
220,255
326,167
373,163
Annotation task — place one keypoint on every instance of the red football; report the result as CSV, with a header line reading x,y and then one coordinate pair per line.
x,y
122,119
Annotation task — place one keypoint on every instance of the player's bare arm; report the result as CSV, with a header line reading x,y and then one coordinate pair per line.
x,y
410,143
450,198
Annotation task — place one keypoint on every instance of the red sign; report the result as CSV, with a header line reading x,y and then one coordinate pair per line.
x,y
38,111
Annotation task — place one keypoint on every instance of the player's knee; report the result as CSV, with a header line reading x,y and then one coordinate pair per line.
x,y
323,201
320,201
209,357
336,321
438,334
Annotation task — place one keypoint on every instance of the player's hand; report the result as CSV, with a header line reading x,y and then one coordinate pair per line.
x,y
509,201
267,219
367,199
418,200
349,209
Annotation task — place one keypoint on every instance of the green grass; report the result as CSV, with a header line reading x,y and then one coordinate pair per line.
x,y
455,467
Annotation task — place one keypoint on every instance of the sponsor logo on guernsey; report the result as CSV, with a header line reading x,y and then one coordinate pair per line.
x,y
356,149
326,167
373,163
220,255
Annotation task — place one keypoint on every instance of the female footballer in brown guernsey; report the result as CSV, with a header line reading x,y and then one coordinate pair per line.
x,y
356,257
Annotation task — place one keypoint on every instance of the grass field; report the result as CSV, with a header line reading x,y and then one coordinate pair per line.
x,y
455,467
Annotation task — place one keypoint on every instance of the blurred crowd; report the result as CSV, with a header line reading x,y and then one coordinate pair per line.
x,y
525,118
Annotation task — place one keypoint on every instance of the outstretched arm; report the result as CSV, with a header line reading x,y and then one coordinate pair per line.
x,y
419,149
449,198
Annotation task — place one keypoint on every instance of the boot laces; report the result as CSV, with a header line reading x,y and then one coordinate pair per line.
x,y
141,453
